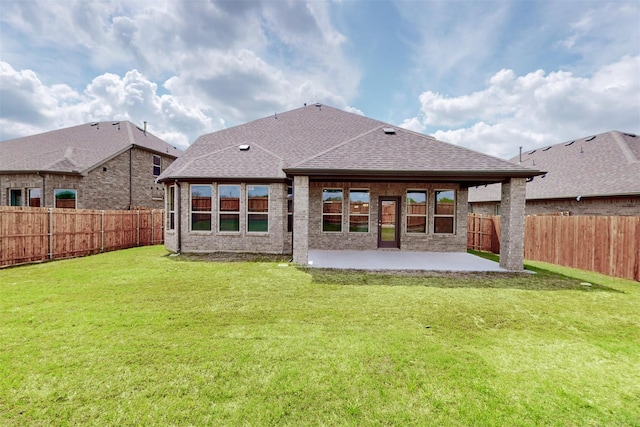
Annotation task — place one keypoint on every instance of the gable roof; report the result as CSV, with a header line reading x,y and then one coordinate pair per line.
x,y
77,149
318,140
607,164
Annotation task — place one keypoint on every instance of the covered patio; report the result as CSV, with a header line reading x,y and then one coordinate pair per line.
x,y
402,260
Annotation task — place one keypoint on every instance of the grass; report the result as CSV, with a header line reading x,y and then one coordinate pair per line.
x,y
136,337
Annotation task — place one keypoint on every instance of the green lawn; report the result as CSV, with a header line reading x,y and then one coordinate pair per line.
x,y
135,337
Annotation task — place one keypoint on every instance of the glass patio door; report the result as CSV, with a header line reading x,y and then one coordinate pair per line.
x,y
388,222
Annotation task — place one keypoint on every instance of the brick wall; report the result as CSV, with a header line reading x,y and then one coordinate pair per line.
x,y
104,187
346,240
277,240
592,206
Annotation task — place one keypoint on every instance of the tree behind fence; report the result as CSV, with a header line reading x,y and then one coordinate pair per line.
x,y
605,244
39,234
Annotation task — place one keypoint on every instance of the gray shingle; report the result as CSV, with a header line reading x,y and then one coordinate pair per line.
x,y
324,138
598,165
77,148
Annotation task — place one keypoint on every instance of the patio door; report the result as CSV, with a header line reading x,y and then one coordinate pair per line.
x,y
389,222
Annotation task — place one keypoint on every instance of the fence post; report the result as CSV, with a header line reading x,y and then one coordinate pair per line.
x,y
153,235
138,231
102,231
50,233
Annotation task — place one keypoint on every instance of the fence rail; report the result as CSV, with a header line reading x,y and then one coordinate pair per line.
x,y
605,244
38,234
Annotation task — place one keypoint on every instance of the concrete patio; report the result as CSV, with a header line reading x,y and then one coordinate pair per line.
x,y
399,260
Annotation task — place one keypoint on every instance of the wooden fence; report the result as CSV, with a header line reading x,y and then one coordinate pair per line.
x,y
605,244
39,234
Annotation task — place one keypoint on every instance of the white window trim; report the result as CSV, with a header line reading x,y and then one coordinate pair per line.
x,y
75,201
341,212
170,209
155,156
191,211
426,211
455,207
268,213
368,214
221,212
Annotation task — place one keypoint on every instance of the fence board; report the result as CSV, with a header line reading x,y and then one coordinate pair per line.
x,y
29,234
605,244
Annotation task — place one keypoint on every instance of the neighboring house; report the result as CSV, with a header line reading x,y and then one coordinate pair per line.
x,y
101,165
596,175
321,178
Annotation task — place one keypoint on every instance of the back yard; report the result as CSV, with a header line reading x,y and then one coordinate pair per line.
x,y
137,337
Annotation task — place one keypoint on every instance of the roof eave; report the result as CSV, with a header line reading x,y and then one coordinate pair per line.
x,y
462,175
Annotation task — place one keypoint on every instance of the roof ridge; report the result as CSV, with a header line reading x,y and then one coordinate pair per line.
x,y
624,147
340,144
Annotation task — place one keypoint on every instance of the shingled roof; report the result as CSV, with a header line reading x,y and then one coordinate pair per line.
x,y
77,149
607,164
318,140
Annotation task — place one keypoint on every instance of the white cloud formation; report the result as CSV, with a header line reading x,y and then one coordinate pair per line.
x,y
221,62
36,107
535,109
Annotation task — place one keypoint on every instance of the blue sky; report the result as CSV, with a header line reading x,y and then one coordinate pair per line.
x,y
488,75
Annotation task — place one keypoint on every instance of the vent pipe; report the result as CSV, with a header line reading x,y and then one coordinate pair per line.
x,y
145,127
521,154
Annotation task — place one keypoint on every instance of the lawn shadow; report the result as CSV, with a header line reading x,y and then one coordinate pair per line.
x,y
541,281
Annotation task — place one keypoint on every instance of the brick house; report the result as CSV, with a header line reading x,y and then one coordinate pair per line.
x,y
321,178
596,175
102,165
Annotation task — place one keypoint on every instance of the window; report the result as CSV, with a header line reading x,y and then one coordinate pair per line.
x,y
201,196
416,211
157,165
15,197
34,197
65,198
229,206
445,212
258,208
289,209
171,208
359,211
332,210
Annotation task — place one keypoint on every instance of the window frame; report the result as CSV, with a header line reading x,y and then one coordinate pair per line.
x,y
15,197
226,212
289,208
193,211
437,215
324,214
261,213
367,215
56,191
170,223
158,165
409,215
39,198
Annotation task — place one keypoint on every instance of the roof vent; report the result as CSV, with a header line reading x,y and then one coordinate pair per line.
x,y
389,131
569,143
632,135
591,138
531,152
244,147
546,149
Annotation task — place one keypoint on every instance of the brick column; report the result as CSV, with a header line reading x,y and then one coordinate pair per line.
x,y
301,219
512,224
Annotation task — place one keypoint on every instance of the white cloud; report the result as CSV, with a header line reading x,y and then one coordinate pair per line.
x,y
37,107
535,109
221,62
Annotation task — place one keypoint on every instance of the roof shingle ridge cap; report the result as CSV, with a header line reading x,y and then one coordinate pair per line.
x,y
322,153
267,151
624,147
